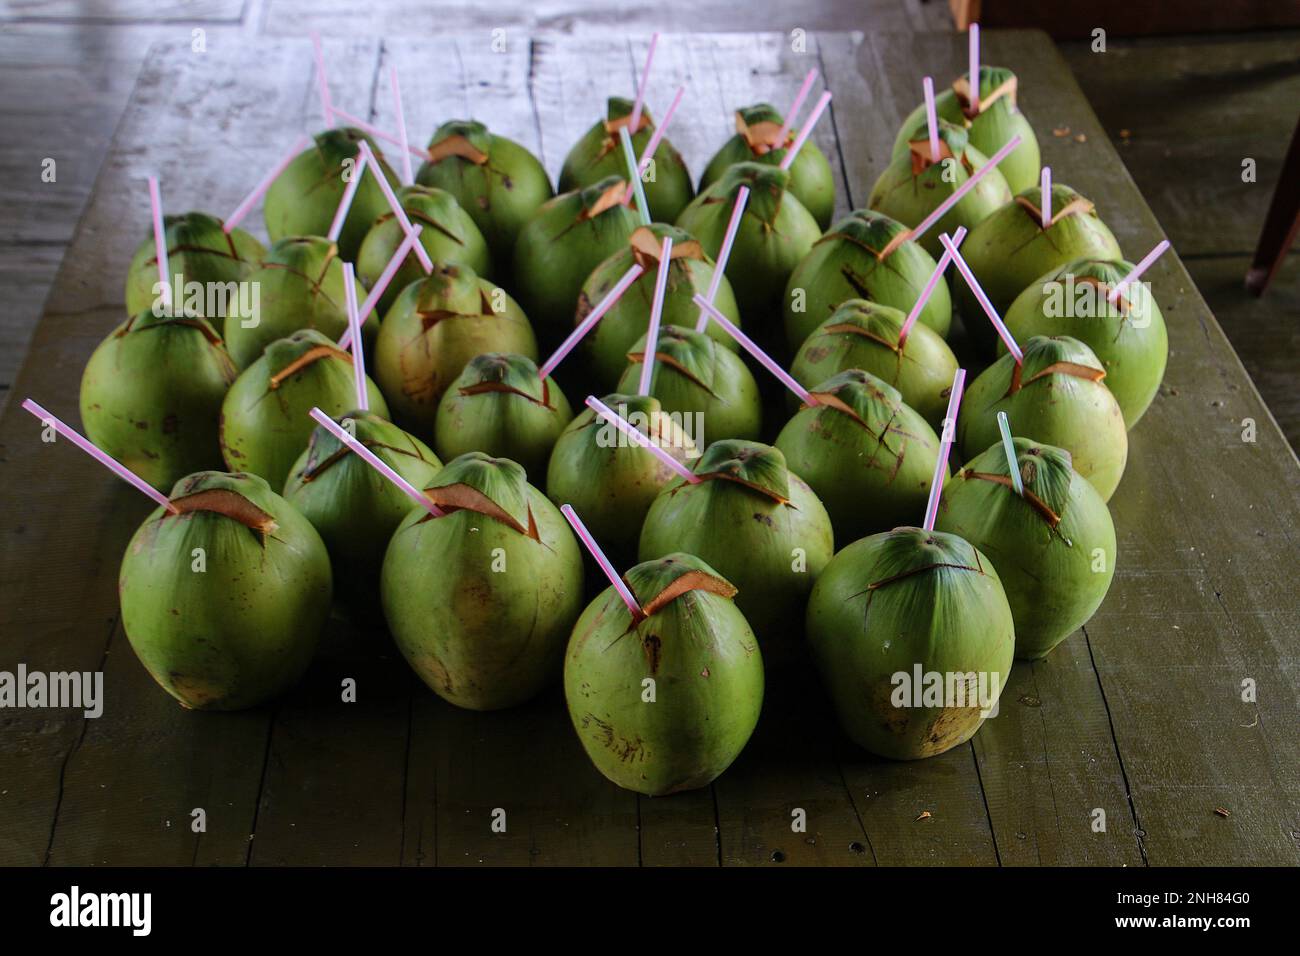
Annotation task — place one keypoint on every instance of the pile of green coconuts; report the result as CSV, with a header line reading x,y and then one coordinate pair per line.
x,y
800,531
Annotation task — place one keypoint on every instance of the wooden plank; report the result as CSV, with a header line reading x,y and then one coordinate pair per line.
x,y
122,11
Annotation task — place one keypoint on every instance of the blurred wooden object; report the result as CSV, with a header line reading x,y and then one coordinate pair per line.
x,y
1281,224
1128,17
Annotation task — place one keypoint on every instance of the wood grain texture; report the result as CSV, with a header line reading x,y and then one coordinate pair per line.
x,y
122,11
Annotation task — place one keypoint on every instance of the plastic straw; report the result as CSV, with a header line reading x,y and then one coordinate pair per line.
x,y
656,314
655,138
945,446
377,171
623,590
1138,269
752,348
160,240
354,326
109,462
640,438
326,104
645,77
807,129
1045,193
795,107
260,189
991,312
974,36
594,316
930,284
1009,446
720,264
377,133
932,120
401,125
630,156
345,203
964,188
371,459
381,284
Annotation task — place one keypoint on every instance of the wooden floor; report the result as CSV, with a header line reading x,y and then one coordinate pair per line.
x,y
1139,716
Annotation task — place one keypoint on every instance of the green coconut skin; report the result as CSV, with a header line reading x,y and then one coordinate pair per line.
x,y
707,671
1055,574
605,347
355,508
449,237
500,183
610,481
559,247
1129,337
435,327
265,423
242,630
478,607
867,456
811,180
864,335
746,533
1010,249
301,287
499,405
599,154
198,250
775,233
151,396
304,198
909,196
899,599
1061,400
694,375
846,264
989,131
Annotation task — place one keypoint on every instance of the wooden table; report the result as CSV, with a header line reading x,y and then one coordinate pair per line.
x,y
1140,715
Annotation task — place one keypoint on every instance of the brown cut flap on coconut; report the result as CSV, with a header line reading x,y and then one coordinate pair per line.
x,y
457,146
1104,288
610,198
662,358
961,86
612,126
690,581
310,357
850,328
208,331
646,247
463,497
921,158
761,138
1073,369
1077,206
1037,503
480,387
758,489
885,582
228,503
893,244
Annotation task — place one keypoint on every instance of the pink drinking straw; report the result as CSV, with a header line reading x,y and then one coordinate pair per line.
x,y
112,464
640,90
991,312
930,284
377,171
326,104
401,125
720,264
584,535
919,230
945,445
752,348
1045,191
592,318
656,314
377,133
640,438
655,138
371,459
974,36
160,240
345,203
931,118
795,107
807,129
1138,269
260,189
354,326
385,277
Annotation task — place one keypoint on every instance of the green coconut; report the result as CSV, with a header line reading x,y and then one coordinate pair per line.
x,y
609,479
894,614
300,284
151,396
497,181
756,521
1054,548
706,668
998,120
599,154
206,264
449,236
224,597
265,417
305,197
561,244
435,327
757,128
1129,337
867,455
353,507
864,335
914,184
775,233
1010,249
703,383
480,601
500,405
690,272
866,255
1059,398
